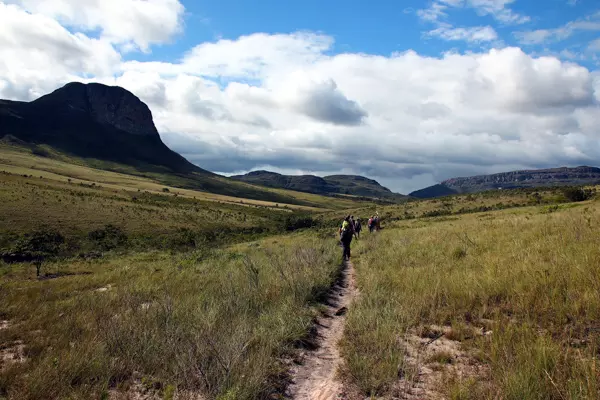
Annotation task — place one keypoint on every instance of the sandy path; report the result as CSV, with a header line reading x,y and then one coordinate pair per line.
x,y
315,378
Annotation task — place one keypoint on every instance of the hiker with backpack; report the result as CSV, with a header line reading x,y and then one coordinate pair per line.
x,y
357,228
347,232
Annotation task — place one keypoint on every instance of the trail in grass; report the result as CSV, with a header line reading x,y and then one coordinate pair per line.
x,y
315,378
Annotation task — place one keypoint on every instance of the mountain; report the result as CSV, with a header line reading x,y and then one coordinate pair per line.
x,y
510,180
93,121
108,127
352,185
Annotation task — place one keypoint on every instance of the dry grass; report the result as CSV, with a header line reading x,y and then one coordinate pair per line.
x,y
529,275
215,323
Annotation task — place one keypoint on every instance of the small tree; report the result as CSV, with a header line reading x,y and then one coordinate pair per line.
x,y
36,247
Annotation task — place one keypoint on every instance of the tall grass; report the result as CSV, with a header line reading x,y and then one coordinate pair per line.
x,y
531,277
216,323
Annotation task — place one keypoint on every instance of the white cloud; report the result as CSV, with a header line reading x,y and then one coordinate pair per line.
x,y
594,45
432,14
126,22
539,36
498,9
471,34
37,53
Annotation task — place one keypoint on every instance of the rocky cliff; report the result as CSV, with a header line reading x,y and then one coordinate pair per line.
x,y
509,180
93,121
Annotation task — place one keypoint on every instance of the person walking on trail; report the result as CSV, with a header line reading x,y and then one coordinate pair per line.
x,y
357,228
370,225
346,237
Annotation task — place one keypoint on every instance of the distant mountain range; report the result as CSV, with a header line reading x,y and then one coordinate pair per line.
x,y
510,180
347,185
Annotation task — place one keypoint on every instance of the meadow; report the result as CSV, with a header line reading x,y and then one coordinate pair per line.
x,y
515,290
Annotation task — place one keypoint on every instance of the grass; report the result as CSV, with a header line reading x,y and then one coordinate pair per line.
x,y
216,322
530,276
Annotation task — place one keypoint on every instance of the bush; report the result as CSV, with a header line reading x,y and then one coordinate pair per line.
x,y
577,194
108,238
35,247
294,222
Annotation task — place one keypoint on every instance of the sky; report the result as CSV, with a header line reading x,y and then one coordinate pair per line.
x,y
406,92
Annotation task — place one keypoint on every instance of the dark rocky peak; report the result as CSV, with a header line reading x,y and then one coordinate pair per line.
x,y
108,105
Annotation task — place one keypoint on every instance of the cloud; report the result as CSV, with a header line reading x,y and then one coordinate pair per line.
x,y
425,117
434,13
132,23
324,102
37,52
498,9
472,34
594,45
539,36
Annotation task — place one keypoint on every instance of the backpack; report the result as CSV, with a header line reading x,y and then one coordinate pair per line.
x,y
347,234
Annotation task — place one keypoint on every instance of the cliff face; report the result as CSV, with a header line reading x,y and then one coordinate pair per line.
x,y
93,121
541,176
507,180
108,105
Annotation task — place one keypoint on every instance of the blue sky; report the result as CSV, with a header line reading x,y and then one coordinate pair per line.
x,y
381,27
406,92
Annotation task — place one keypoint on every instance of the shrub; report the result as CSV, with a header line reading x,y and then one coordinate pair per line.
x,y
577,194
35,247
109,237
294,222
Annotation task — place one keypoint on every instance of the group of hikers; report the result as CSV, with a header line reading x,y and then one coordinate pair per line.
x,y
351,228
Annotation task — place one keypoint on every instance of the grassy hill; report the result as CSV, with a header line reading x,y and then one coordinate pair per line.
x,y
334,185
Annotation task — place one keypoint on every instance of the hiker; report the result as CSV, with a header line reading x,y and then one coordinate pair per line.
x,y
371,224
357,228
346,237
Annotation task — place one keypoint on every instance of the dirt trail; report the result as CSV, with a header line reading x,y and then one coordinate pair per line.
x,y
315,378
